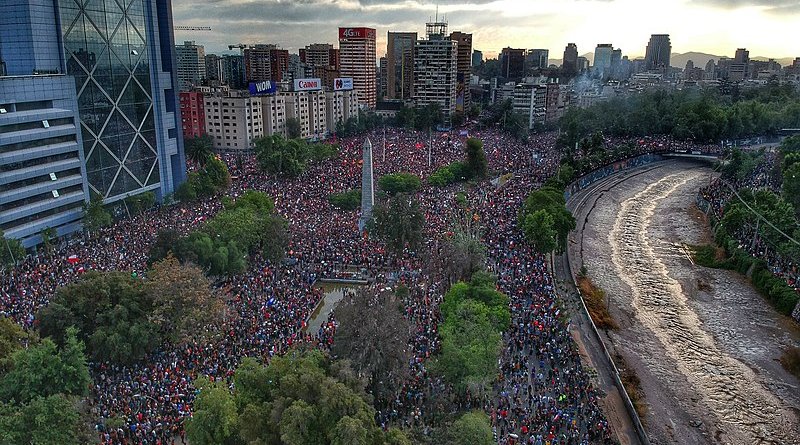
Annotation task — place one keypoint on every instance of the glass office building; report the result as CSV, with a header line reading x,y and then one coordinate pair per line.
x,y
121,55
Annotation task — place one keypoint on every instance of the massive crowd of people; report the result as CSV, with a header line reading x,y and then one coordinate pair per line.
x,y
544,395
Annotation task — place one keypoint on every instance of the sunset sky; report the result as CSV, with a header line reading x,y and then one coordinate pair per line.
x,y
767,28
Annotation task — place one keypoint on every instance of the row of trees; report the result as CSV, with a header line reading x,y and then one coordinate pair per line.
x,y
290,157
790,172
705,117
247,226
300,398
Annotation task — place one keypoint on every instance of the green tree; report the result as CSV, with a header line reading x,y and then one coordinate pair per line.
x,y
184,299
293,128
49,236
11,250
279,156
199,149
215,420
791,186
42,421
480,288
539,230
141,202
43,370
470,347
477,167
12,338
471,428
395,183
552,201
398,223
110,311
95,216
348,201
166,241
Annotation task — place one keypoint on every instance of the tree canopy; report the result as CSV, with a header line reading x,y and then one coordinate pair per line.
x,y
395,183
11,250
289,157
300,398
545,220
398,223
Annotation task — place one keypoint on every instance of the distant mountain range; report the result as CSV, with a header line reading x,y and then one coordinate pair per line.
x,y
679,60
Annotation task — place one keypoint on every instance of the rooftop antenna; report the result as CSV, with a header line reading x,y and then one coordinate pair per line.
x,y
437,12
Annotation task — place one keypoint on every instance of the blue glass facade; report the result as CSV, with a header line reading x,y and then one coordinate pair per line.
x,y
124,78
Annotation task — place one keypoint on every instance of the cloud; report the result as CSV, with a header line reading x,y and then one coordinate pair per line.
x,y
770,6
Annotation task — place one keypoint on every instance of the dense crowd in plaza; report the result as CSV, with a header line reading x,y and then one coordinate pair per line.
x,y
544,393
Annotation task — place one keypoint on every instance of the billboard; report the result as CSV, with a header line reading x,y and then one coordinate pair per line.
x,y
307,84
262,88
343,84
357,33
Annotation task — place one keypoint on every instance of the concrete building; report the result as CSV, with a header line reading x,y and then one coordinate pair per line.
x,y
570,61
233,71
193,116
213,69
530,100
126,88
357,56
273,114
323,60
602,60
233,120
190,65
538,58
265,62
512,64
308,107
400,65
436,69
463,70
658,53
477,58
339,107
42,169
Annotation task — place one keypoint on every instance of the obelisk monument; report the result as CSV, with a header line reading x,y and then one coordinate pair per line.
x,y
367,187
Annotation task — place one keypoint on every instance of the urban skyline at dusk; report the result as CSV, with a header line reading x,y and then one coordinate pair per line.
x,y
711,26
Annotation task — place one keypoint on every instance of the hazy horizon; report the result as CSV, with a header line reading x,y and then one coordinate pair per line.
x,y
709,26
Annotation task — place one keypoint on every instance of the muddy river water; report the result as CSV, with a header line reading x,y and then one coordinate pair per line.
x,y
704,343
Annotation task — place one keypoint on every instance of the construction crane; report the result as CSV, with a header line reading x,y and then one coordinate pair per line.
x,y
192,28
241,47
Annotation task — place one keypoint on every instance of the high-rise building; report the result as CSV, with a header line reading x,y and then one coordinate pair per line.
x,y
233,71
213,68
125,83
357,57
279,64
477,58
512,63
710,71
436,69
42,169
323,61
233,120
538,58
400,64
340,106
570,61
265,62
193,118
602,60
464,70
190,65
658,53
383,77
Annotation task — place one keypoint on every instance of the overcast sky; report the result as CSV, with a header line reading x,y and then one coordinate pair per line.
x,y
769,28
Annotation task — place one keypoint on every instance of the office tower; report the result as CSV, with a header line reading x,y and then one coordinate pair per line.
x,y
602,60
358,61
190,65
193,117
42,170
463,70
233,71
657,55
126,85
711,70
742,56
570,62
383,77
538,58
583,64
512,63
477,58
213,68
400,65
323,62
265,62
436,70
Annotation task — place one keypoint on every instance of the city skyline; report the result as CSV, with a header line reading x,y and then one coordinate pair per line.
x,y
711,26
